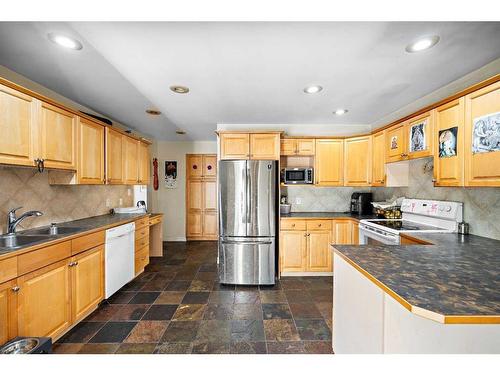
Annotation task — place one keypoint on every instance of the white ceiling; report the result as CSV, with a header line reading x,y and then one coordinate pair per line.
x,y
245,73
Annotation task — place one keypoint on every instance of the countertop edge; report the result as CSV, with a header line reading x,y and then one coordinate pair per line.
x,y
437,317
68,237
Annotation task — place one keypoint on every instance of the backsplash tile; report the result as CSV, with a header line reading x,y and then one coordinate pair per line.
x,y
30,189
481,205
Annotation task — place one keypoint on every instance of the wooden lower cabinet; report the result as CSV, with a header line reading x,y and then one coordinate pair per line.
x,y
319,258
44,301
141,259
87,282
8,313
293,251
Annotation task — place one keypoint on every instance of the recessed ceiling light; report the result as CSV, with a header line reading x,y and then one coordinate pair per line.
x,y
422,44
313,89
180,132
179,89
65,41
153,112
340,112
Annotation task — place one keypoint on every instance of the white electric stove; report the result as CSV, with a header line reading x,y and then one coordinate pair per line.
x,y
418,215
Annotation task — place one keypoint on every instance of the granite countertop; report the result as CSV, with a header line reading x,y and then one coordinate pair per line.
x,y
87,225
327,215
456,278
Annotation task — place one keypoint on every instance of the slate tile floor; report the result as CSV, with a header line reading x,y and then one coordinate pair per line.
x,y
177,306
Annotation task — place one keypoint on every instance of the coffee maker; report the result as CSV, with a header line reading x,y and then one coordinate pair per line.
x,y
361,203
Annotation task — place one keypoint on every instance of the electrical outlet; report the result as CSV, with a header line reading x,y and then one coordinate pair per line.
x,y
108,203
129,192
298,200
120,202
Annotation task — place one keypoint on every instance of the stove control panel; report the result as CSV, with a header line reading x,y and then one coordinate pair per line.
x,y
439,209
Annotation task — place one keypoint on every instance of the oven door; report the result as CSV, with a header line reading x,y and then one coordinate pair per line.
x,y
373,236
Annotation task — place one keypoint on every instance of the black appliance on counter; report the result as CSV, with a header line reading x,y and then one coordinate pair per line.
x,y
361,203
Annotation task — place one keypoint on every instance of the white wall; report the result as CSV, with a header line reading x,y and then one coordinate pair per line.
x,y
172,202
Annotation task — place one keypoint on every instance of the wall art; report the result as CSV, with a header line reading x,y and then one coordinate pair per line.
x,y
486,133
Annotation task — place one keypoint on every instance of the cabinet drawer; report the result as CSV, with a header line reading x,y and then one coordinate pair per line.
x,y
141,233
141,242
154,221
8,269
43,257
87,242
293,224
141,222
141,259
319,225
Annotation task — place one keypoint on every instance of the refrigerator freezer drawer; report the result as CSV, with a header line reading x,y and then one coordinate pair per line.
x,y
247,262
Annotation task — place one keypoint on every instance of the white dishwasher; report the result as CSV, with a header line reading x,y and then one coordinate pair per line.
x,y
119,259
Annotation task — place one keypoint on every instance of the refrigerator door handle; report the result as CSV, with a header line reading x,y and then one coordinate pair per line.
x,y
248,193
244,207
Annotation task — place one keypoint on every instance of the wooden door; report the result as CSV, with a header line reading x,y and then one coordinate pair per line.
x,y
293,251
265,146
143,163
194,225
482,140
131,168
44,301
288,147
210,166
234,146
91,152
210,225
419,136
354,232
449,150
358,161
195,194
87,282
378,159
305,147
18,126
342,232
329,169
194,166
57,136
210,195
115,157
8,311
396,143
319,257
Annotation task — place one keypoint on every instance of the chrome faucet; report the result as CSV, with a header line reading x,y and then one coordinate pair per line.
x,y
13,221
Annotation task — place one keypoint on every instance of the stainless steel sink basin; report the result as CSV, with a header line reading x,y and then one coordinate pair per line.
x,y
53,231
14,241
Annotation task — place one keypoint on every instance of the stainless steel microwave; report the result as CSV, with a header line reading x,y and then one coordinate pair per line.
x,y
297,175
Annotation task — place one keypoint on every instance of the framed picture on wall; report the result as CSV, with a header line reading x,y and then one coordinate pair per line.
x,y
171,174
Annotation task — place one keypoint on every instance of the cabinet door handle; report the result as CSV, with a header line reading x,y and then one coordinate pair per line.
x,y
16,289
293,225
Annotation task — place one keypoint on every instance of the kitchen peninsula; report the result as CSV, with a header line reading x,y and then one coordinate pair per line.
x,y
439,298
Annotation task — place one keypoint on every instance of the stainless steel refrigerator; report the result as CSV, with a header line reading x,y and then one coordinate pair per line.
x,y
247,221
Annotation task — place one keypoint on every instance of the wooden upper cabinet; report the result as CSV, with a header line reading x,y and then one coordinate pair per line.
x,y
378,159
358,161
131,166
8,312
298,147
210,166
482,138
419,136
329,168
265,146
91,152
18,123
396,143
87,282
449,150
44,301
115,157
143,163
234,146
195,166
57,136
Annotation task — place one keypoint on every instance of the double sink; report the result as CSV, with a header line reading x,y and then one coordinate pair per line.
x,y
29,237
